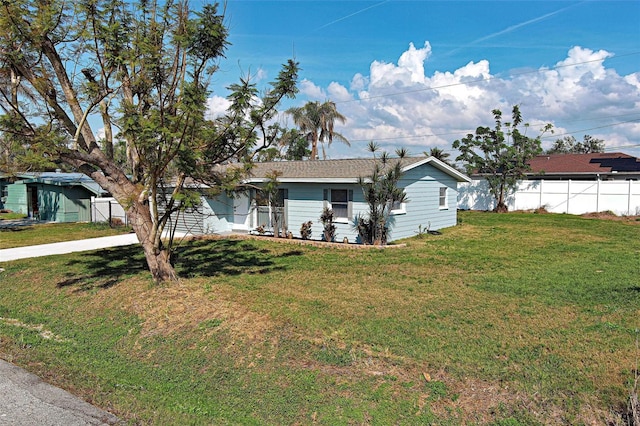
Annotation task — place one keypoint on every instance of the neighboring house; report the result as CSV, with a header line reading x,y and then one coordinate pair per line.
x,y
568,183
49,196
306,187
593,166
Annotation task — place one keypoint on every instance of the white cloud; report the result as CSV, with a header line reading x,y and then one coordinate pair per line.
x,y
216,107
359,82
399,105
311,90
338,93
413,61
410,68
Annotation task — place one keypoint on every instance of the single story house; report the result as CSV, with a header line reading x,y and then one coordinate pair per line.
x,y
568,183
306,187
49,196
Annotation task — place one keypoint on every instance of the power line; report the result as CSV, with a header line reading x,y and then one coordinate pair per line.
x,y
592,128
615,148
555,135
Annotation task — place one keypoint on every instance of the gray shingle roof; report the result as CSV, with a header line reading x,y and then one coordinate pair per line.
x,y
348,169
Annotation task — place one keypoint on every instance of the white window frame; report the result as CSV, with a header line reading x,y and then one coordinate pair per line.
x,y
402,209
443,198
328,203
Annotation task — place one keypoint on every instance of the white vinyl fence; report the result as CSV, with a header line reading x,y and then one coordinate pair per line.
x,y
558,196
106,209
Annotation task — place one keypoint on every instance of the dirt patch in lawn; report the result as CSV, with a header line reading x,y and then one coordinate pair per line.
x,y
608,215
180,308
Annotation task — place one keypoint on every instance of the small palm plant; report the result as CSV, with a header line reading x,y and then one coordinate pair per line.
x,y
305,230
382,194
327,217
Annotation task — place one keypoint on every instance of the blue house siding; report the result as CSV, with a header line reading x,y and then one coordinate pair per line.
x,y
16,200
422,186
305,204
212,216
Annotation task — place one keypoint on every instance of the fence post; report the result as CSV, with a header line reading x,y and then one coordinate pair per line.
x,y
629,198
541,190
568,194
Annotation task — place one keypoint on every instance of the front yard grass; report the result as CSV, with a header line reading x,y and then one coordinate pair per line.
x,y
44,233
515,319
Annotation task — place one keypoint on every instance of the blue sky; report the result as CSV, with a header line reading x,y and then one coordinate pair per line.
x,y
420,74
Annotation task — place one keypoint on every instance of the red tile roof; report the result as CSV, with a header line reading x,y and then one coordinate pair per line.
x,y
601,162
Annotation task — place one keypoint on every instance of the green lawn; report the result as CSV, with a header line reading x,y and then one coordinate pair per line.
x,y
514,319
12,216
44,233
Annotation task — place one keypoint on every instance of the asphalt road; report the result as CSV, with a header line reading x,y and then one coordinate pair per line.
x,y
25,400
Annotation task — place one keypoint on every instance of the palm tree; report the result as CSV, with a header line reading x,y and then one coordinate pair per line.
x,y
439,154
316,122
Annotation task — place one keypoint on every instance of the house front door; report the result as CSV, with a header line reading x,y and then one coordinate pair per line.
x,y
32,203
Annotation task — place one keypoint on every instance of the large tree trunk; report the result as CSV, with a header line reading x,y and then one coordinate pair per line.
x,y
501,206
158,257
159,262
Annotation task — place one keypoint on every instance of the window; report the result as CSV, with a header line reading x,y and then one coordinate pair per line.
x,y
398,208
443,197
340,201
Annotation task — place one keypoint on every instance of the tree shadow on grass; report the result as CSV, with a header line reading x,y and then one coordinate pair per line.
x,y
104,268
195,258
207,258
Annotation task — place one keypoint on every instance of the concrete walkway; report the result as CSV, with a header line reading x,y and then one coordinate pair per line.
x,y
67,247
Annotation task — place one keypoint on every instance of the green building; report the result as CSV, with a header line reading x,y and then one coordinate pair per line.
x,y
49,196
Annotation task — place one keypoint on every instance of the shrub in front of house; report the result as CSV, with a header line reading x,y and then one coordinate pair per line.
x,y
305,230
329,231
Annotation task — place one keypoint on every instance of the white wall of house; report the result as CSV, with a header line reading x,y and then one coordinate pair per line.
x,y
242,211
558,196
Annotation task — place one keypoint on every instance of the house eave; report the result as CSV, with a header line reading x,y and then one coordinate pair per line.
x,y
304,180
442,166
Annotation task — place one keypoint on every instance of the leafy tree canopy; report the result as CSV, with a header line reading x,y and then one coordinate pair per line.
x,y
438,153
118,90
500,154
569,145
